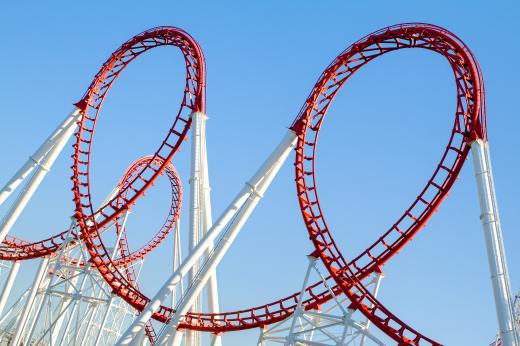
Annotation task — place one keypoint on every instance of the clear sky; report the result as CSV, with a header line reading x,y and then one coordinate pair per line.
x,y
380,142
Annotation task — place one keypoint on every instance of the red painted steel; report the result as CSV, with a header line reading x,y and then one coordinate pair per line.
x,y
16,249
469,124
90,106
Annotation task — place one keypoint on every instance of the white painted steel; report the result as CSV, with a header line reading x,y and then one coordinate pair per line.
x,y
177,258
51,277
72,293
34,159
378,278
290,338
8,285
332,324
257,190
111,299
250,189
494,244
22,322
44,163
207,221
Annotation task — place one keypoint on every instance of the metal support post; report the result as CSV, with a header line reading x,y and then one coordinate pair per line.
x,y
251,193
44,165
177,258
6,290
377,285
193,337
29,303
257,189
290,338
207,221
494,244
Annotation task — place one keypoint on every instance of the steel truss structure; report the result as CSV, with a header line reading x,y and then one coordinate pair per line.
x,y
332,324
86,288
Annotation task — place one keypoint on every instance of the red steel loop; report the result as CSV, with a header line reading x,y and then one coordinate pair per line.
x,y
469,124
90,106
16,249
127,256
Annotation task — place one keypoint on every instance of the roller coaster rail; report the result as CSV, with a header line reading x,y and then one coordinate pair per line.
x,y
86,290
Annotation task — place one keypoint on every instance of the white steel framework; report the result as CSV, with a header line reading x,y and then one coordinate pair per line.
x,y
233,218
494,243
334,324
40,162
200,220
69,303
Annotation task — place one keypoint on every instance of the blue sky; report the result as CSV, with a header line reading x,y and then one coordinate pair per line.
x,y
382,138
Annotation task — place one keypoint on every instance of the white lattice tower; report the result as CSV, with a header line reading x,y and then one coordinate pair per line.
x,y
73,305
333,323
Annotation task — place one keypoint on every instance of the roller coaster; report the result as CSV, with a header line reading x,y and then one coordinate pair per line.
x,y
86,288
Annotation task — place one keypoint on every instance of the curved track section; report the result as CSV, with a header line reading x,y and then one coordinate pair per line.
x,y
469,124
194,100
91,223
16,249
127,256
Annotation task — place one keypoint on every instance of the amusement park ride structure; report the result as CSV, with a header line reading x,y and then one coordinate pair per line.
x,y
86,289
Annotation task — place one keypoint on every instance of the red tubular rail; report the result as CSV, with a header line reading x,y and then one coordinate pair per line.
x,y
469,124
16,249
126,257
90,106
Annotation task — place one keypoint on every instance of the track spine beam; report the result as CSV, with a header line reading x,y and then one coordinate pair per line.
x,y
258,186
238,211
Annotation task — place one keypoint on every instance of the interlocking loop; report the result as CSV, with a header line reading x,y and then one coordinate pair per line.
x,y
469,124
92,223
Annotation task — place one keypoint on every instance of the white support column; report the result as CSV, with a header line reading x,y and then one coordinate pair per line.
x,y
51,277
207,221
6,290
195,230
298,311
250,192
111,299
494,244
257,190
377,285
29,303
63,306
72,306
44,165
177,258
35,158
86,334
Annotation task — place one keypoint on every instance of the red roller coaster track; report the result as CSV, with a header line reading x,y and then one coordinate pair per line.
x,y
16,249
469,124
90,106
